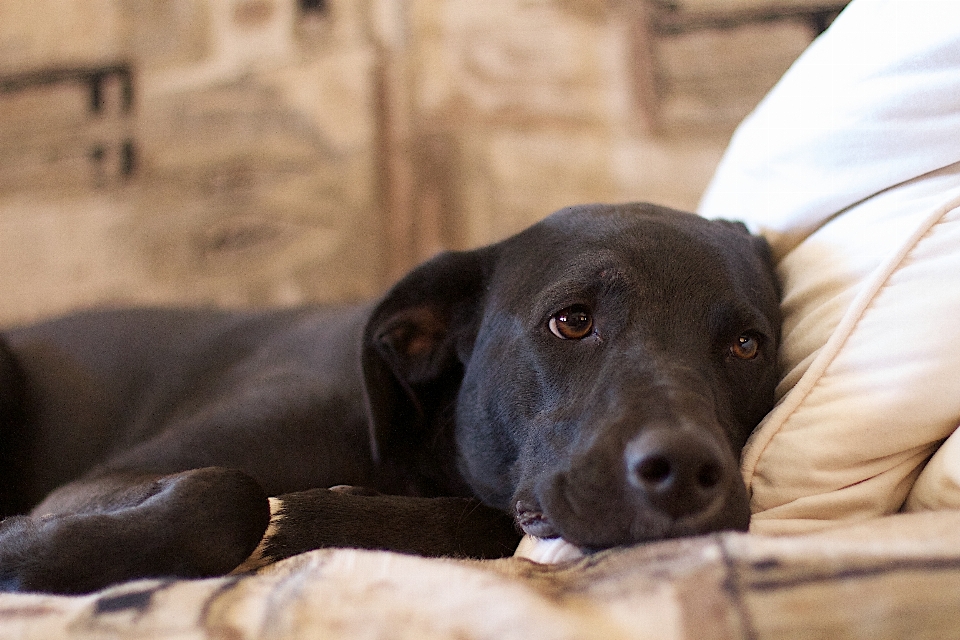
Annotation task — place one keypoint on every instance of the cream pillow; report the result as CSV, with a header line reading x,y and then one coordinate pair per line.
x,y
851,168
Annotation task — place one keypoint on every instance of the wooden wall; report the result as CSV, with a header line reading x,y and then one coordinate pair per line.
x,y
258,152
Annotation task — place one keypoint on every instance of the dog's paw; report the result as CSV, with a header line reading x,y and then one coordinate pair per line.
x,y
325,518
547,550
260,557
193,524
275,544
25,556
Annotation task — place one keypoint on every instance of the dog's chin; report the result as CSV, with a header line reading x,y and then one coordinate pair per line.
x,y
549,542
551,548
547,550
534,523
598,534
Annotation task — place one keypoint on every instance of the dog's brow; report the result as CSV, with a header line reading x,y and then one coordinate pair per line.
x,y
736,315
586,281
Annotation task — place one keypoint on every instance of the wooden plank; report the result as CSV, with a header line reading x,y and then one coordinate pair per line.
x,y
673,19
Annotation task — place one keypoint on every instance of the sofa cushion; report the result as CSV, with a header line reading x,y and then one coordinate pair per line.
x,y
850,168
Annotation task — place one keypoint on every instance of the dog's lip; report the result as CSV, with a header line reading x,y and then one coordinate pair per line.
x,y
534,522
539,529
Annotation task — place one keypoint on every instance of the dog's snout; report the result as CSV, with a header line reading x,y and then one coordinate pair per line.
x,y
678,474
671,479
658,471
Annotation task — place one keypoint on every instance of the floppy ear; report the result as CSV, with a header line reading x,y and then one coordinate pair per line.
x,y
759,242
759,245
415,346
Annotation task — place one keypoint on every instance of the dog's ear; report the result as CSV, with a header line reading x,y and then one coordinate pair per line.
x,y
416,343
759,245
740,227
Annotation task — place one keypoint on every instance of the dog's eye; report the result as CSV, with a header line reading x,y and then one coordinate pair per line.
x,y
746,346
572,323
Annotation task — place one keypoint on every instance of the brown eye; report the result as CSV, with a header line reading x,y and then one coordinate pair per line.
x,y
572,323
746,347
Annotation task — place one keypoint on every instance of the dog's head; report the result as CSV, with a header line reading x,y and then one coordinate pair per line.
x,y
596,374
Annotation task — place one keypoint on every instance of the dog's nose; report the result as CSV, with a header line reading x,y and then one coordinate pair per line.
x,y
679,473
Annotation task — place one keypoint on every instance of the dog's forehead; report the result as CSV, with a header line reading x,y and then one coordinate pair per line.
x,y
642,239
651,259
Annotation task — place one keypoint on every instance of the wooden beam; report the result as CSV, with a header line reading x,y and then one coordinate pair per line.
x,y
674,19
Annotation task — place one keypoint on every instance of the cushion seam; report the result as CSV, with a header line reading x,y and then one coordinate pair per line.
x,y
841,334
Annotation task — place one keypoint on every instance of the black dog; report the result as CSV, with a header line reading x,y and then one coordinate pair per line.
x,y
592,377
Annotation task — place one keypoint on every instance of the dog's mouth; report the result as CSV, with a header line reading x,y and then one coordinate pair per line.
x,y
570,510
534,522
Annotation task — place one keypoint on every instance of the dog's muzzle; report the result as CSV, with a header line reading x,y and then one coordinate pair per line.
x,y
667,482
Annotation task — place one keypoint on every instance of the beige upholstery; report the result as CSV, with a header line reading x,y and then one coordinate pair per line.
x,y
849,167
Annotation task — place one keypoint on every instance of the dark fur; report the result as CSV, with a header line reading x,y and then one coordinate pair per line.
x,y
146,442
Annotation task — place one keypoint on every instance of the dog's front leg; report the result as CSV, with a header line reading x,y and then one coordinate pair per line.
x,y
111,528
356,518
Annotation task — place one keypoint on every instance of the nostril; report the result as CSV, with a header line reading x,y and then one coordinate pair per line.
x,y
709,475
654,469
676,472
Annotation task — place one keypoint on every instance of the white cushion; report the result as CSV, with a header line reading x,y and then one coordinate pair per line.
x,y
851,168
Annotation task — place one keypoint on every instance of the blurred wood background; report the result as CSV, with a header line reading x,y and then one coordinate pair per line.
x,y
261,152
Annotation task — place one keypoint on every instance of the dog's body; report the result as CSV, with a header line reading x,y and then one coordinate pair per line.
x,y
592,377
